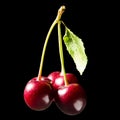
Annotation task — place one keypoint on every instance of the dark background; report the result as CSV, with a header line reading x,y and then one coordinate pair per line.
x,y
25,26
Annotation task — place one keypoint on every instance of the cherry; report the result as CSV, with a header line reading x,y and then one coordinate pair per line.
x,y
52,76
57,79
71,99
38,94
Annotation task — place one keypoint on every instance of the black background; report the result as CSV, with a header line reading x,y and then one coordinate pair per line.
x,y
25,26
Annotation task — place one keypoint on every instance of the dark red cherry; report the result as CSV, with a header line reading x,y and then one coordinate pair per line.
x,y
57,79
52,76
71,99
38,94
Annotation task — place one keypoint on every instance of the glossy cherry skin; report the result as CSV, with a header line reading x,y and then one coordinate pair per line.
x,y
38,94
57,79
71,99
52,76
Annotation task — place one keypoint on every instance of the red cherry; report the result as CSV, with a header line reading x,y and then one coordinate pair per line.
x,y
71,99
57,79
52,76
38,94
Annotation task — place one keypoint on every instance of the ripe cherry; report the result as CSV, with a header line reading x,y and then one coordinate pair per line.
x,y
71,99
52,76
57,79
38,94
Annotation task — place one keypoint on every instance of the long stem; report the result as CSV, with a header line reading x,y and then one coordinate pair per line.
x,y
61,53
44,49
59,14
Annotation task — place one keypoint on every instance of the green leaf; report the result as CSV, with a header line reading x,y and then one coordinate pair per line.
x,y
76,49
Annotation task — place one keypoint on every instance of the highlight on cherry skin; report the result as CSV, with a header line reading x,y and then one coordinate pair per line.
x,y
57,79
71,99
38,94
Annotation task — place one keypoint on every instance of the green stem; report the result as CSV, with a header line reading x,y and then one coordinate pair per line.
x,y
61,53
59,14
44,49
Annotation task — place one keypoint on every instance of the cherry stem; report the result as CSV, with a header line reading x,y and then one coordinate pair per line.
x,y
59,14
61,53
